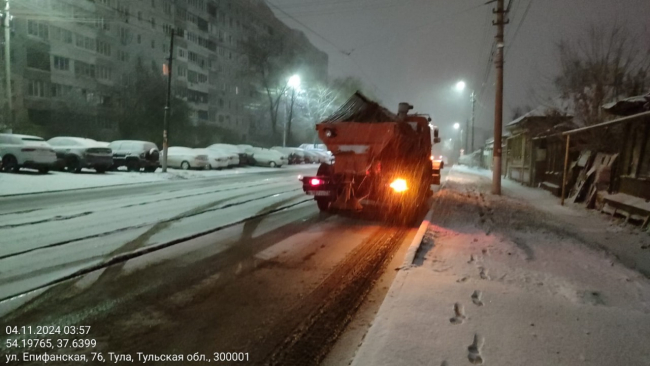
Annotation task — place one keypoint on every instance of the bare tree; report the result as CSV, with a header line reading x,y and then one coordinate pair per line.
x,y
605,65
267,64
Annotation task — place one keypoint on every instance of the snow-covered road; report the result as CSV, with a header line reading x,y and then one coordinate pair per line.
x,y
43,240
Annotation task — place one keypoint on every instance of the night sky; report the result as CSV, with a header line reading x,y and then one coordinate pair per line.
x,y
416,50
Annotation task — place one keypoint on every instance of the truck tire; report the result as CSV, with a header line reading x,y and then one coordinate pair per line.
x,y
323,203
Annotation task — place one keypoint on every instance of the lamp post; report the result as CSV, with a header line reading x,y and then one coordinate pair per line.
x,y
293,83
460,139
7,26
460,87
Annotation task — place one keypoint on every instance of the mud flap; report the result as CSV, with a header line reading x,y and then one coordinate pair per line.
x,y
435,177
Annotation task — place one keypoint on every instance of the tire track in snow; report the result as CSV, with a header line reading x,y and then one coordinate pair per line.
x,y
190,213
123,258
55,218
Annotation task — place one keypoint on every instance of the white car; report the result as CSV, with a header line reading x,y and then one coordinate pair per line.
x,y
268,157
186,158
24,151
231,150
246,152
216,158
313,147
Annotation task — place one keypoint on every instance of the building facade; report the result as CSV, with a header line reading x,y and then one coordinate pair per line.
x,y
70,58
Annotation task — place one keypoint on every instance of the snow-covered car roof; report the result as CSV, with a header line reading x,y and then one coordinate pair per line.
x,y
23,136
81,140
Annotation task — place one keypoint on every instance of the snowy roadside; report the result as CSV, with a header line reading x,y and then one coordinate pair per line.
x,y
32,182
499,281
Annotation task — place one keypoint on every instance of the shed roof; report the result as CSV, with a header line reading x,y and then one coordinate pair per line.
x,y
629,106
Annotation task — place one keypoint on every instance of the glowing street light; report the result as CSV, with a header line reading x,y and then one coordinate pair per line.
x,y
294,82
460,86
456,126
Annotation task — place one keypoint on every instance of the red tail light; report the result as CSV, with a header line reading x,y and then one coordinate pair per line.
x,y
315,182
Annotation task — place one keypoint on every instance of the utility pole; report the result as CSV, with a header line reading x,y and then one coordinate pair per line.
x,y
10,108
472,127
167,103
498,108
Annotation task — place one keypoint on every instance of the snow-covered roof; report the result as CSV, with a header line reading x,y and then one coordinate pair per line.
x,y
629,106
560,106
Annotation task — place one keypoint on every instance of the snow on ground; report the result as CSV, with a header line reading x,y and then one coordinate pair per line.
x,y
28,181
38,247
512,280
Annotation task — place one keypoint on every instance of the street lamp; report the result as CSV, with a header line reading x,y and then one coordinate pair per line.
x,y
460,137
460,87
294,84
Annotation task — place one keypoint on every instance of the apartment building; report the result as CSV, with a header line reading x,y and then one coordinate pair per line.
x,y
70,58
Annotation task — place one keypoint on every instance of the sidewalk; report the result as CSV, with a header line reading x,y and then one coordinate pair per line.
x,y
515,280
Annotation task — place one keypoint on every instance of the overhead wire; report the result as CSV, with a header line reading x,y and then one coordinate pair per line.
x,y
523,19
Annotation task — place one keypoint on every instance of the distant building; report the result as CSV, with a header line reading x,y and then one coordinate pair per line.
x,y
70,57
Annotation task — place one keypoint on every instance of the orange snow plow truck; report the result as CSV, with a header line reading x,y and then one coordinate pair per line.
x,y
380,159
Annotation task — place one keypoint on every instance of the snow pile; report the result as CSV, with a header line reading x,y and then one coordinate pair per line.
x,y
31,182
501,282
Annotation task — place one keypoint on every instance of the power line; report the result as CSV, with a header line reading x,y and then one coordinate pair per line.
x,y
330,43
302,24
523,19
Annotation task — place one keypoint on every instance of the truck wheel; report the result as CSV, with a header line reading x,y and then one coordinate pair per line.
x,y
323,204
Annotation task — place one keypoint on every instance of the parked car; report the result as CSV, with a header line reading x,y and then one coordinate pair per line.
x,y
232,150
313,147
295,157
268,157
247,151
75,153
323,156
186,158
135,155
24,151
311,157
216,159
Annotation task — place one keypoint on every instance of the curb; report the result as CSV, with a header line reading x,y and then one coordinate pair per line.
x,y
417,240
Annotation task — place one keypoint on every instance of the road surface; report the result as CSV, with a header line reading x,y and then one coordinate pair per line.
x,y
239,264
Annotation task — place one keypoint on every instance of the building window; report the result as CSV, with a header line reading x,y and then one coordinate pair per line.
x,y
123,56
84,69
139,38
104,48
153,43
35,28
61,63
182,71
59,90
104,73
38,59
35,88
153,22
